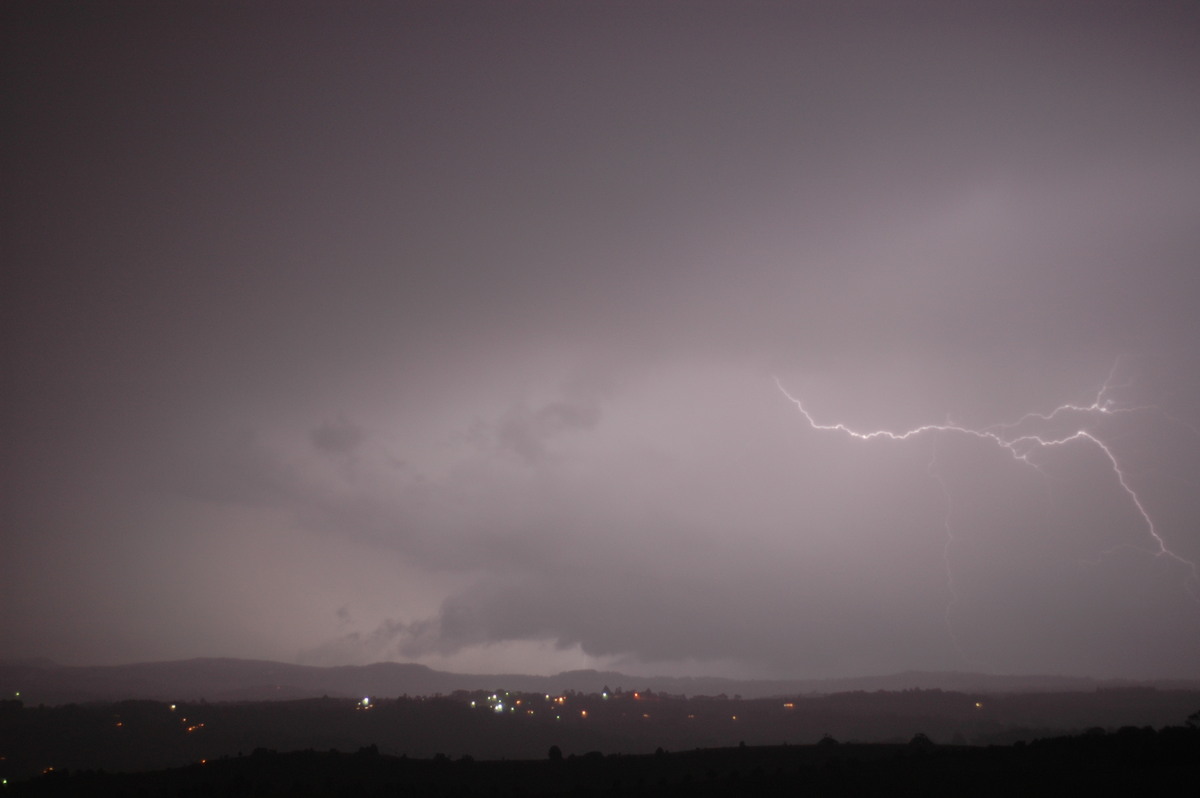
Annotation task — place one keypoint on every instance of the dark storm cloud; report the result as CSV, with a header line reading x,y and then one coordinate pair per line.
x,y
337,437
526,433
377,645
450,331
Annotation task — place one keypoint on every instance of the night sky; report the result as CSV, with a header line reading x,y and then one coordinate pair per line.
x,y
464,334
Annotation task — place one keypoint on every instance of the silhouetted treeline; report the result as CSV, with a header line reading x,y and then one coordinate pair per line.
x,y
1130,761
493,725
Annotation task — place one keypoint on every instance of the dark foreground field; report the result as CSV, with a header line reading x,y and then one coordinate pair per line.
x,y
911,742
1131,761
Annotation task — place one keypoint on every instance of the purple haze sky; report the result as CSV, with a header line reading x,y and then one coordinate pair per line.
x,y
449,332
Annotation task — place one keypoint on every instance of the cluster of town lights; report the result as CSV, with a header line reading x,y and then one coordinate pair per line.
x,y
502,703
499,702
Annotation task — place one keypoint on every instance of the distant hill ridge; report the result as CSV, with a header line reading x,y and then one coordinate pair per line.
x,y
218,679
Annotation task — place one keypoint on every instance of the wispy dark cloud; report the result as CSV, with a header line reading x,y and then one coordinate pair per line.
x,y
337,437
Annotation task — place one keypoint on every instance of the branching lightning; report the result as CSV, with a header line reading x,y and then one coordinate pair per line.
x,y
1022,445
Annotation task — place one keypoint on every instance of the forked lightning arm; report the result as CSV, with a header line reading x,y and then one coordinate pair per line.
x,y
1021,446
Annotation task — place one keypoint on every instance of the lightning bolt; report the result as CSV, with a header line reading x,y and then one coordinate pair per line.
x,y
1022,446
948,570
